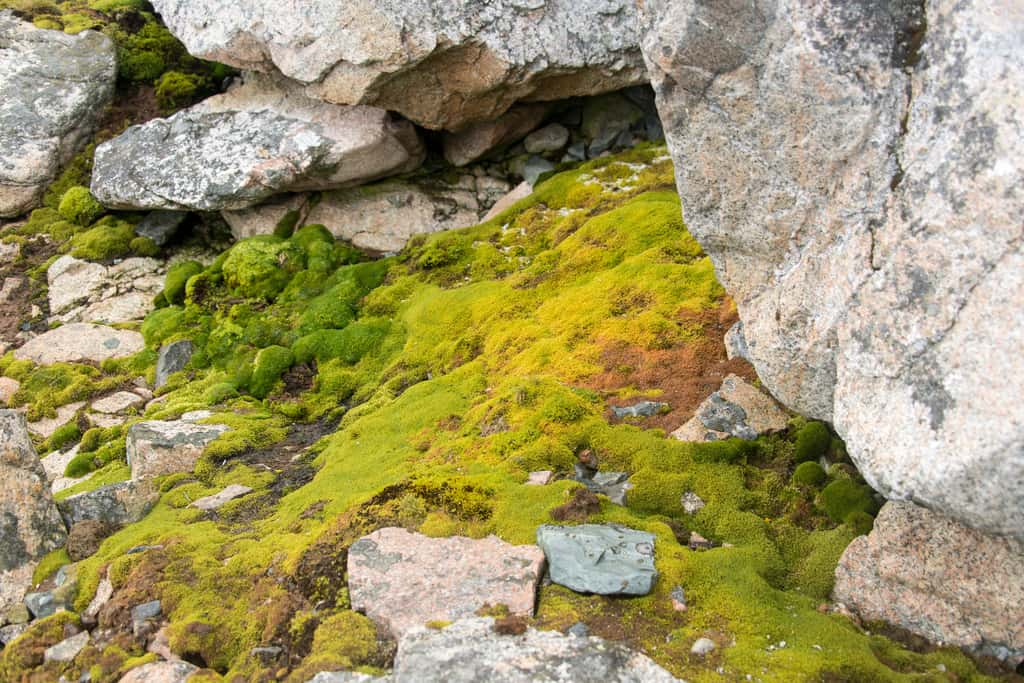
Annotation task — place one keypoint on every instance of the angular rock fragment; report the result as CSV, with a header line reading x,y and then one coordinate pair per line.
x,y
440,64
933,576
402,580
161,447
82,291
217,500
172,358
737,409
53,87
67,649
30,525
235,150
476,140
115,504
80,342
599,558
160,672
161,226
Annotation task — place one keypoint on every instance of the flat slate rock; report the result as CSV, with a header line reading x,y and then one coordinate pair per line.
x,y
470,650
402,580
79,342
599,558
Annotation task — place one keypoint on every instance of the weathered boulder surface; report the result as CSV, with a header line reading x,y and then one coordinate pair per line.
x,y
116,504
79,342
30,525
470,650
166,447
606,559
160,672
53,86
261,138
82,291
935,577
403,580
438,63
854,172
382,217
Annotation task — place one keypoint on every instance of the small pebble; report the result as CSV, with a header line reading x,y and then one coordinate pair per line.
x,y
702,646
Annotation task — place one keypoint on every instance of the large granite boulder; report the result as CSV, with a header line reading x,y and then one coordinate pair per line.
x,y
471,650
261,138
937,578
30,525
441,64
854,172
402,580
53,87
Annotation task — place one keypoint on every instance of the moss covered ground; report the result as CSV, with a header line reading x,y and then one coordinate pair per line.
x,y
439,379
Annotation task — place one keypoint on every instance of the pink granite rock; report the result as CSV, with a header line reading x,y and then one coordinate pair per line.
x,y
403,580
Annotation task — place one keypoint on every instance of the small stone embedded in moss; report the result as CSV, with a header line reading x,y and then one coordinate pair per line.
x,y
79,206
809,474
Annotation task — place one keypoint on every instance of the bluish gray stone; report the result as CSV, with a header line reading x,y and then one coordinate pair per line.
x,y
160,226
41,604
535,167
599,558
172,358
117,504
147,610
641,409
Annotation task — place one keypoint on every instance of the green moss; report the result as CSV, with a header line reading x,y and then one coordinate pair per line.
x,y
47,22
271,363
79,206
260,267
809,474
64,435
342,641
49,565
175,90
844,497
812,442
77,22
161,325
177,277
19,658
111,238
144,246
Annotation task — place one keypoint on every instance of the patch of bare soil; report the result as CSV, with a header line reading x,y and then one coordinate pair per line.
x,y
682,376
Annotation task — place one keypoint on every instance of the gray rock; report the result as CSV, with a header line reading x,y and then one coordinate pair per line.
x,y
641,409
118,403
534,168
160,672
235,150
854,173
939,579
30,525
347,677
720,415
172,358
691,502
440,64
264,218
576,152
11,632
476,140
579,630
67,649
702,646
737,409
550,138
735,343
41,604
82,291
160,447
469,651
80,342
599,558
161,226
383,217
116,504
612,484
146,611
267,655
217,500
606,119
53,87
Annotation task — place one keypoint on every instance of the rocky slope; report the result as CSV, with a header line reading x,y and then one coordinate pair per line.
x,y
513,439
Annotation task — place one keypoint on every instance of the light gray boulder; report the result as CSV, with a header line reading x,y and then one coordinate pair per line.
x,y
116,504
261,138
80,342
854,172
441,64
161,447
599,558
470,650
30,525
53,87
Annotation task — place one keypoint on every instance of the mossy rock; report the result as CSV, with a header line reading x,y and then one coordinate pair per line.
x,y
270,364
177,277
809,474
260,267
109,239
